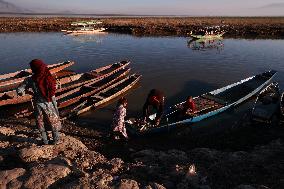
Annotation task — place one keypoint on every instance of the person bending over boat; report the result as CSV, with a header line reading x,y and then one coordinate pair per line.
x,y
45,107
118,119
156,99
187,108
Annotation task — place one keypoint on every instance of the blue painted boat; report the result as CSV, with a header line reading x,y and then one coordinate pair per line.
x,y
207,105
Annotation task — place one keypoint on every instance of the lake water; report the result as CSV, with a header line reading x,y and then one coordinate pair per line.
x,y
167,63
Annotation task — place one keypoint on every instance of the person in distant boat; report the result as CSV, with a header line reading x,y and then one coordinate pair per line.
x,y
43,86
118,119
156,99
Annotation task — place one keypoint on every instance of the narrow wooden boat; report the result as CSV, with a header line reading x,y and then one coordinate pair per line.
x,y
266,104
89,89
103,97
67,83
282,108
207,105
78,95
91,76
12,80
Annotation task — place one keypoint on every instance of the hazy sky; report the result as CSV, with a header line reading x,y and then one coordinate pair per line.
x,y
164,7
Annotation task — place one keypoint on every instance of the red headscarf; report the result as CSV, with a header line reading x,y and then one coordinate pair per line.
x,y
43,78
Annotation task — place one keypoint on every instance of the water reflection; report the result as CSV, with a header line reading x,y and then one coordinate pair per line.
x,y
206,44
86,38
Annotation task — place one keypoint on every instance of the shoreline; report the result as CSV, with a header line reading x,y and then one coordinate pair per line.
x,y
86,157
236,27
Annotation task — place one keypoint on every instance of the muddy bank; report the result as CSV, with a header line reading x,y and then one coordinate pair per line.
x,y
250,27
87,157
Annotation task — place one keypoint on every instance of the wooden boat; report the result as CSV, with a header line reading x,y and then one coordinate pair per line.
x,y
103,97
207,105
67,83
12,80
86,27
266,104
79,94
208,36
82,79
89,89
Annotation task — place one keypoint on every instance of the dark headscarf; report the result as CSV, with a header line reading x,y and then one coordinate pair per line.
x,y
43,78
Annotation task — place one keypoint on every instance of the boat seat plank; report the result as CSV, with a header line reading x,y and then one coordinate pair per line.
x,y
214,98
97,97
86,87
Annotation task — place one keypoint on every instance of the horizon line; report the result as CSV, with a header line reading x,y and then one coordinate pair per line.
x,y
146,15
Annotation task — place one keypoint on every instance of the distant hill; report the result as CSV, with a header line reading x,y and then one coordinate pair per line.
x,y
6,7
275,5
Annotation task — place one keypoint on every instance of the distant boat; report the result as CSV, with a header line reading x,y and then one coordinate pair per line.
x,y
207,36
207,105
86,27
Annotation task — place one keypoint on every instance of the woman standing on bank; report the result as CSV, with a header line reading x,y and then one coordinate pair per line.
x,y
43,86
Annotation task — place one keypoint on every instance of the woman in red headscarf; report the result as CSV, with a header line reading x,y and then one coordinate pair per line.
x,y
43,86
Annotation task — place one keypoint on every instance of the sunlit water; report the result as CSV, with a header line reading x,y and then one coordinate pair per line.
x,y
166,63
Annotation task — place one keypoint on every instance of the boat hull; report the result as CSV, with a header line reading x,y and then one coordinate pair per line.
x,y
108,94
217,101
207,36
67,83
12,80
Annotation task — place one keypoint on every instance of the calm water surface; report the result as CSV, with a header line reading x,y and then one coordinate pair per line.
x,y
166,63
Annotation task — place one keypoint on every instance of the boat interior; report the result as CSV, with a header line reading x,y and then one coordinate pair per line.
x,y
209,102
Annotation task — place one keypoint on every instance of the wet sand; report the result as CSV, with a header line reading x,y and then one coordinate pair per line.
x,y
237,27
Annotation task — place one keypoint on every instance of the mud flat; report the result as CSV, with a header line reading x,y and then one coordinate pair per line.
x,y
244,27
88,158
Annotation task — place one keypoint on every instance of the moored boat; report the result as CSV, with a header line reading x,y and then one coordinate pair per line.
x,y
103,97
85,91
68,100
208,36
207,105
266,105
86,27
12,80
91,76
70,81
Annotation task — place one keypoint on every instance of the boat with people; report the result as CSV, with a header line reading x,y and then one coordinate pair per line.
x,y
207,105
85,27
11,80
266,105
67,83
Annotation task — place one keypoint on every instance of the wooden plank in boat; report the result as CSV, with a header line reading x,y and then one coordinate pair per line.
x,y
214,98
